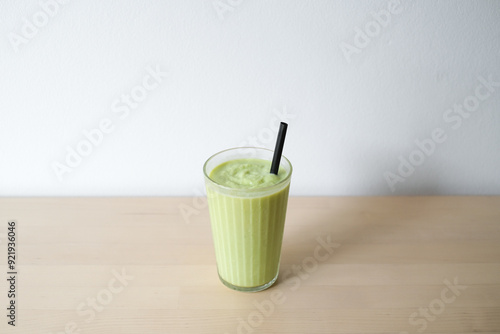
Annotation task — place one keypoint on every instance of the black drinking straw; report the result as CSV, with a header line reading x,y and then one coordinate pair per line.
x,y
280,141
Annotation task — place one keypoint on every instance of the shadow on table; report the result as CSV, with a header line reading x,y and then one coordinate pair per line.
x,y
341,232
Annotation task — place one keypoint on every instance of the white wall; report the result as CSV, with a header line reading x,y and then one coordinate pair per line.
x,y
355,104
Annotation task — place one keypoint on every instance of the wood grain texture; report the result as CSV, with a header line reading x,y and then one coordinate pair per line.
x,y
349,265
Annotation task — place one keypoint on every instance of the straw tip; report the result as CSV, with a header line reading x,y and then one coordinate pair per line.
x,y
280,142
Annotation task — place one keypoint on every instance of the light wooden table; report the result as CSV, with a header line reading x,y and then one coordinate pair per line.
x,y
349,265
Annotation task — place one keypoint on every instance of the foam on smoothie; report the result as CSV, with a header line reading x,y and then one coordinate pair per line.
x,y
246,174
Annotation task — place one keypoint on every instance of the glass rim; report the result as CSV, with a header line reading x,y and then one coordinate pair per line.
x,y
251,190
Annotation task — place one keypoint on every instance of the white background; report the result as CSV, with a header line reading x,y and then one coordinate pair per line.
x,y
229,68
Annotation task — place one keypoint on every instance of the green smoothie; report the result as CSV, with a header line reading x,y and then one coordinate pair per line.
x,y
247,207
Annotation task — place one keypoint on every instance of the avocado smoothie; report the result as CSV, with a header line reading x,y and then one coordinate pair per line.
x,y
247,207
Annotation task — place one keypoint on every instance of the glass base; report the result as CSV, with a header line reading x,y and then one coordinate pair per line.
x,y
249,288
